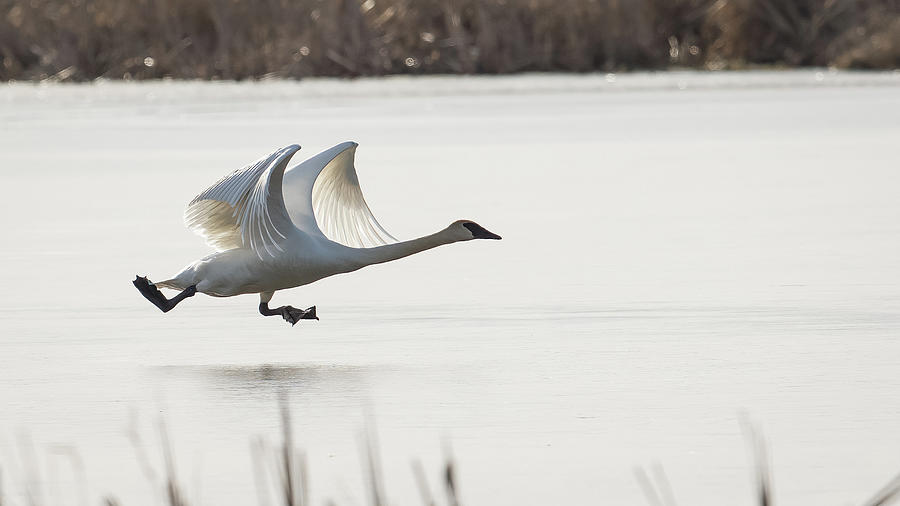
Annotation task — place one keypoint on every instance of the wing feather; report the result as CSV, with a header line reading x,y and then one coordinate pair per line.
x,y
245,209
324,198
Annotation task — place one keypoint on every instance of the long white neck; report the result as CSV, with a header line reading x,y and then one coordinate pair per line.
x,y
388,252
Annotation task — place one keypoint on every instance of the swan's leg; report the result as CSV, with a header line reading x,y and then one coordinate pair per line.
x,y
290,314
151,293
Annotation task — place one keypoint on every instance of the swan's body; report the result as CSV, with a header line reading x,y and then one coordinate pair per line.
x,y
279,228
305,260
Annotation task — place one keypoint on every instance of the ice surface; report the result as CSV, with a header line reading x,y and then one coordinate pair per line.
x,y
678,248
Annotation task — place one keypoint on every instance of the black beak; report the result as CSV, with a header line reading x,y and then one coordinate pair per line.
x,y
480,232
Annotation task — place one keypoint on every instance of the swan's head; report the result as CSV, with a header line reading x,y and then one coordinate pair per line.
x,y
465,230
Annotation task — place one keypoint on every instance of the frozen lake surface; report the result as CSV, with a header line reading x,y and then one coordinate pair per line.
x,y
679,249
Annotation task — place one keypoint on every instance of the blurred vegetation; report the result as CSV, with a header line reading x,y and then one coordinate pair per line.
x,y
240,39
281,473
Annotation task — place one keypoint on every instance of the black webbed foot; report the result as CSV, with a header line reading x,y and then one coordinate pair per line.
x,y
292,315
151,293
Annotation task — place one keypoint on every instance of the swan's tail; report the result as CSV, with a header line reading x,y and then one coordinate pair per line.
x,y
182,280
173,283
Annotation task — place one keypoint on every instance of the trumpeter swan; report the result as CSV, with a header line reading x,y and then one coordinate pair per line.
x,y
277,228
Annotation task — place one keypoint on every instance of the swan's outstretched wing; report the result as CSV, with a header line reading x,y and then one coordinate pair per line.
x,y
323,198
245,209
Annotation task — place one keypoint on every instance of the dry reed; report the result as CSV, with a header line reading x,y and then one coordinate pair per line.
x,y
239,39
293,486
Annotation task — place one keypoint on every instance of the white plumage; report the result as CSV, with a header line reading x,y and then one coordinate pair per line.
x,y
245,209
327,189
277,228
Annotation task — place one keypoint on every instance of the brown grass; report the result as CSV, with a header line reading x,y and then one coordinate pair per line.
x,y
240,39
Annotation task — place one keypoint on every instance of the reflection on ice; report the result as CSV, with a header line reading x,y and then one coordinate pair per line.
x,y
267,380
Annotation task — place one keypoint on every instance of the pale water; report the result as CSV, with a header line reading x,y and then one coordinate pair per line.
x,y
679,251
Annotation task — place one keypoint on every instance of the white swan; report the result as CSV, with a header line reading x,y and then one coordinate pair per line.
x,y
276,229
